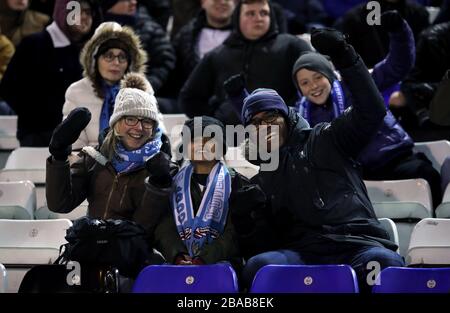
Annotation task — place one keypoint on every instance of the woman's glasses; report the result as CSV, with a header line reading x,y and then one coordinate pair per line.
x,y
110,57
145,122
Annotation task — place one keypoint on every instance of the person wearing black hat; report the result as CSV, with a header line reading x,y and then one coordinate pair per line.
x,y
203,194
111,53
318,208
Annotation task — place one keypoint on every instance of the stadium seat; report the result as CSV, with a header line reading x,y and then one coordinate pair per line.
x,y
26,164
25,243
413,280
391,228
216,278
17,200
430,243
3,279
436,151
235,159
8,130
173,124
43,213
305,279
8,140
404,201
443,209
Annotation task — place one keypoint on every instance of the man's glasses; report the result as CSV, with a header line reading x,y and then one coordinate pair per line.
x,y
110,57
266,119
145,122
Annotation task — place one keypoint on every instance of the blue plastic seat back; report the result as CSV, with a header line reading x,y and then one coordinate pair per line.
x,y
413,280
305,279
216,278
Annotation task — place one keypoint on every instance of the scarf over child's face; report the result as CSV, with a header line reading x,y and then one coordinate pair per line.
x,y
314,86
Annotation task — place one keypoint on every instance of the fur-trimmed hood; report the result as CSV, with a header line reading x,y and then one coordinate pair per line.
x,y
105,32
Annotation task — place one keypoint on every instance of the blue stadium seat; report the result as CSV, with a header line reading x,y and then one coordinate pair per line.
x,y
216,278
413,280
305,279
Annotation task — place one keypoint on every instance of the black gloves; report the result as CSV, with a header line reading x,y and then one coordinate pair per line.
x,y
159,169
331,42
66,133
234,85
391,21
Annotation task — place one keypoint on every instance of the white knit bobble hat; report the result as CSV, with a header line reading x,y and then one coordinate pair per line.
x,y
135,98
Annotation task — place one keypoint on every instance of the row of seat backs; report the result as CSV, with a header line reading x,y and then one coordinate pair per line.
x,y
221,278
18,200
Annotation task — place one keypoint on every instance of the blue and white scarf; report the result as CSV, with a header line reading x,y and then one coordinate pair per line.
x,y
108,105
211,216
130,160
337,97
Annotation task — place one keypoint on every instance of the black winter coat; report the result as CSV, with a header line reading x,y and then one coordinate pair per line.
x,y
317,195
372,42
265,63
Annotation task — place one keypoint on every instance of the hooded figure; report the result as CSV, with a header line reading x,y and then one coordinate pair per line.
x,y
46,64
253,49
17,23
98,89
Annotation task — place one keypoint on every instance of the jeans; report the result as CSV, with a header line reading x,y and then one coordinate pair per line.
x,y
357,257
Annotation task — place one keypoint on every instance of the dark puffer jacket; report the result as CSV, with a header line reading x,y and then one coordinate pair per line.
x,y
372,42
266,62
155,42
317,195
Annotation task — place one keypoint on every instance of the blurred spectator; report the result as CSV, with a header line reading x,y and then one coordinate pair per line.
x,y
205,32
18,21
417,90
256,49
41,70
372,42
112,52
155,41
302,15
183,12
6,52
159,10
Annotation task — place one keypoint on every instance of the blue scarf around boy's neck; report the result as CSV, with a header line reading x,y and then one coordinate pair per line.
x,y
110,92
209,223
304,106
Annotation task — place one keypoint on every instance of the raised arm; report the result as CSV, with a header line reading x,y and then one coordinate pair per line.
x,y
352,130
402,52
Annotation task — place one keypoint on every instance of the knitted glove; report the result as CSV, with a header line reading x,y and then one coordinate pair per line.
x,y
391,21
66,133
331,42
234,85
159,169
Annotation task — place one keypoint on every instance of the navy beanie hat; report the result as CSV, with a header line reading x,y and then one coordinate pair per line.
x,y
262,99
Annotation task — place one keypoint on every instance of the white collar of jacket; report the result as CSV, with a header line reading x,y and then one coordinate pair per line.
x,y
95,154
59,39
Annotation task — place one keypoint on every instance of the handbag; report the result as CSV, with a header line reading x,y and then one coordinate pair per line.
x,y
119,243
440,104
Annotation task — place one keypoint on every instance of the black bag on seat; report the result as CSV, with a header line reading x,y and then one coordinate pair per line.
x,y
119,243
